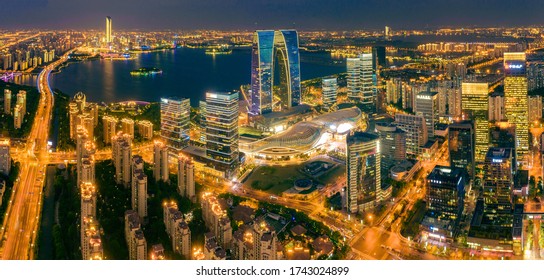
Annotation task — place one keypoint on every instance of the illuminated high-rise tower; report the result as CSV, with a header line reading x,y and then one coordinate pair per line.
x,y
222,131
515,101
361,81
474,101
271,50
362,170
108,30
175,121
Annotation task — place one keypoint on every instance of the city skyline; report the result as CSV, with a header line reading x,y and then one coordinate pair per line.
x,y
264,14
272,143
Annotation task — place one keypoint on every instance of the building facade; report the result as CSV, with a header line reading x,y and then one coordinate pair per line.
x,y
160,162
5,157
270,49
222,132
361,81
362,170
475,107
329,89
427,105
515,101
461,147
175,120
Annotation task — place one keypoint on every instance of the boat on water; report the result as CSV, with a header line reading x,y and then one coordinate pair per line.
x,y
146,71
218,50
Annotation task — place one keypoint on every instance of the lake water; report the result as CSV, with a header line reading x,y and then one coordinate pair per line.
x,y
186,73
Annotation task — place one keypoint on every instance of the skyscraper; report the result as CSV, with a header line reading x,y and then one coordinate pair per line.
x,y
416,132
378,57
362,170
270,49
329,91
499,170
475,107
361,86
515,101
427,105
392,146
445,193
461,146
108,30
175,120
222,131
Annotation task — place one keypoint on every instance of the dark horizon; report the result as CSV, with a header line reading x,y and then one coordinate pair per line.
x,y
268,14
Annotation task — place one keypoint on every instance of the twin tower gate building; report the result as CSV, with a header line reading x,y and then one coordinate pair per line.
x,y
275,53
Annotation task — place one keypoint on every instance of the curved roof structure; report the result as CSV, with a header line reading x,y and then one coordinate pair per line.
x,y
303,136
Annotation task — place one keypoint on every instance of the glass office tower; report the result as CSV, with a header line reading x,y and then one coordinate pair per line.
x,y
271,51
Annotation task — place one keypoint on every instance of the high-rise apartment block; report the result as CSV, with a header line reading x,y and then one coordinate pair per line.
x,y
177,229
134,236
139,187
160,161
88,199
18,117
5,157
186,177
110,124
216,219
82,113
127,126
145,129
122,156
91,241
7,101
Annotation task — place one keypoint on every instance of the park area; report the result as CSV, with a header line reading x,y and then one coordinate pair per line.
x,y
277,179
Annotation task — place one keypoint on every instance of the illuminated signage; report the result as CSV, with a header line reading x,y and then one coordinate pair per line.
x,y
424,97
514,66
497,160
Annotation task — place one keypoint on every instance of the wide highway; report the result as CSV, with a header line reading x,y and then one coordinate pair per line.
x,y
20,226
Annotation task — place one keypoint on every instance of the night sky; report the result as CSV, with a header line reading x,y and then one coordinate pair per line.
x,y
262,14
